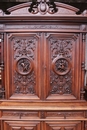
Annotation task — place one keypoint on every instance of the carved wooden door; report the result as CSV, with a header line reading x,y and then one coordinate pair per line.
x,y
22,67
62,66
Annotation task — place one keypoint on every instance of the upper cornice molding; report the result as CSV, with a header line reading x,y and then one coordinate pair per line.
x,y
43,7
64,12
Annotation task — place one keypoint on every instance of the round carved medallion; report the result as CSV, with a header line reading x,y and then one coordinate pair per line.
x,y
24,65
61,65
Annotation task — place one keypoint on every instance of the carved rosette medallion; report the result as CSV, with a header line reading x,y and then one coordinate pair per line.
x,y
24,65
61,65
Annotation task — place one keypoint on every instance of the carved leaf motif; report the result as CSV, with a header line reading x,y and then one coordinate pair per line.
x,y
61,47
24,47
60,84
24,84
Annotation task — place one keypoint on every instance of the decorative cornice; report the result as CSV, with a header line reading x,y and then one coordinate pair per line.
x,y
36,7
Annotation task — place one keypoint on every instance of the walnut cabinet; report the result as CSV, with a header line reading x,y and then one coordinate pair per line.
x,y
42,68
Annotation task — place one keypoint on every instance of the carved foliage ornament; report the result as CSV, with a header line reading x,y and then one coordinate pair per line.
x,y
43,6
24,47
60,84
24,84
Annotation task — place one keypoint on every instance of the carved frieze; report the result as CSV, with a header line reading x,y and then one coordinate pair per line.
x,y
61,73
43,26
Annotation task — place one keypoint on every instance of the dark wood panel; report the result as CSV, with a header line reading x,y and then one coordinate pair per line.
x,y
62,125
21,125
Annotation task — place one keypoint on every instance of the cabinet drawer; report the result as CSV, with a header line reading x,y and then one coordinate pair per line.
x,y
66,114
19,115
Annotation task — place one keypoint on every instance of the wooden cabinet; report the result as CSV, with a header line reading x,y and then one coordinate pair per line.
x,y
42,68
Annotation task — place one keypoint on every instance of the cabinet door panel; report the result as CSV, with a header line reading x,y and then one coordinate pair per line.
x,y
70,125
63,66
21,125
22,66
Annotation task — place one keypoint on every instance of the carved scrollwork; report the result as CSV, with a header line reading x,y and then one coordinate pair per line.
x,y
24,84
60,84
61,47
43,6
24,47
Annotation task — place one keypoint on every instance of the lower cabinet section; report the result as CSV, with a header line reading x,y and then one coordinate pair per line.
x,y
42,125
43,120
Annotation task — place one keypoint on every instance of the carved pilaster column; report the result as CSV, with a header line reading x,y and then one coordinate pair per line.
x,y
2,90
83,65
